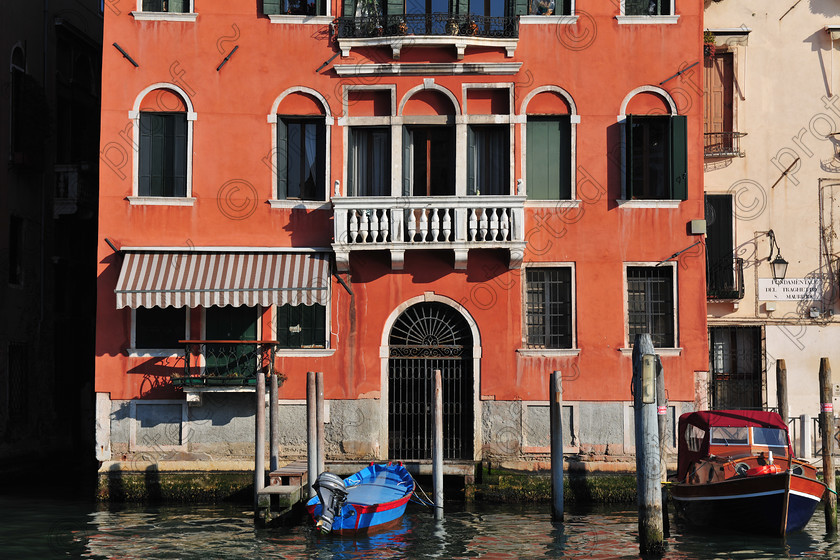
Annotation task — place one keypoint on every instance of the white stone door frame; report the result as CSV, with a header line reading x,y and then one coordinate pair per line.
x,y
384,354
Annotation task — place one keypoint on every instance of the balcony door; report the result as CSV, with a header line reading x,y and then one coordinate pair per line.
x,y
417,7
227,358
429,161
735,361
720,260
718,103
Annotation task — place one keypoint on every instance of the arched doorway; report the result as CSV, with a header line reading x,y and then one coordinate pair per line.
x,y
425,337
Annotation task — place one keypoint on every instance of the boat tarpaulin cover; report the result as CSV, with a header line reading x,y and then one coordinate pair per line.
x,y
204,279
706,419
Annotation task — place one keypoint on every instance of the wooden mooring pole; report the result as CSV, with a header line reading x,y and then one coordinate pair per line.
x,y
662,425
273,424
311,432
827,427
651,534
259,443
437,450
781,388
319,419
555,391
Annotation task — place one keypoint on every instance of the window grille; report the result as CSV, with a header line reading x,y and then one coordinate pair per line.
x,y
548,312
650,304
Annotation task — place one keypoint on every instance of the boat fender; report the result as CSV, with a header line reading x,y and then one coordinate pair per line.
x,y
764,469
332,494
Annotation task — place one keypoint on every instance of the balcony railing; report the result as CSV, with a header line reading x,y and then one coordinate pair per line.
x,y
725,279
468,25
398,31
456,223
723,144
225,362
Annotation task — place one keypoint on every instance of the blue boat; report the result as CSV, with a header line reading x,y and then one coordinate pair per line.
x,y
373,498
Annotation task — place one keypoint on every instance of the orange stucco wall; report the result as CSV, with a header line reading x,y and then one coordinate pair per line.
x,y
232,148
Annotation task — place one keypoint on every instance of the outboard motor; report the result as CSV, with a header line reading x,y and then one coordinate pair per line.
x,y
332,493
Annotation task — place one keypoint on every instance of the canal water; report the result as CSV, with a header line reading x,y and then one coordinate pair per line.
x,y
55,528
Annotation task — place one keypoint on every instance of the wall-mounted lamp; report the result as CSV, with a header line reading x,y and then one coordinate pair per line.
x,y
778,264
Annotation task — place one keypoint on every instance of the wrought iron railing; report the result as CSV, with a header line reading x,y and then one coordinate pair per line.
x,y
468,25
723,144
225,362
725,279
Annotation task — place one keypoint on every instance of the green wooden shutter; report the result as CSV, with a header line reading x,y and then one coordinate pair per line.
x,y
394,7
271,7
348,8
178,147
157,153
178,6
564,158
471,161
406,161
318,328
542,165
282,161
460,6
679,157
283,321
519,7
628,157
144,183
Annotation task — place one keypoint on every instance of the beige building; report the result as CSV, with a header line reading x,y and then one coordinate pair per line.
x,y
772,180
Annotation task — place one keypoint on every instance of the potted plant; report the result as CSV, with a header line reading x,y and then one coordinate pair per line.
x,y
708,44
471,27
452,26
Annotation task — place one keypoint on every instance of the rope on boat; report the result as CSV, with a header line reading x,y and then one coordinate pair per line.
x,y
425,500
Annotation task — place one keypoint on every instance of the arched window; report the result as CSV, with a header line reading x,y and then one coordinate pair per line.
x,y
429,145
549,144
301,122
163,120
655,149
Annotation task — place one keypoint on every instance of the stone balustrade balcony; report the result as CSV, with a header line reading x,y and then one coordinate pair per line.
x,y
456,223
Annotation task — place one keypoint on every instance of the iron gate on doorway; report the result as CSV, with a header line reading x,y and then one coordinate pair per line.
x,y
736,367
426,337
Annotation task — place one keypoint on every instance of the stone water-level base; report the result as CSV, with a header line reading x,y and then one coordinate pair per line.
x,y
511,434
586,482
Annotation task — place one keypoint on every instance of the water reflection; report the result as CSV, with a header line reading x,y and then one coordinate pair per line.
x,y
51,529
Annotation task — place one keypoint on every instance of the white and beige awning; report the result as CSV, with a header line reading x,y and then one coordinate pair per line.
x,y
204,279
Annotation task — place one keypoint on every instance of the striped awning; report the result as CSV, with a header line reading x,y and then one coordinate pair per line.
x,y
197,279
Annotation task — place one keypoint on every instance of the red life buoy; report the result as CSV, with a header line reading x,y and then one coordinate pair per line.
x,y
764,469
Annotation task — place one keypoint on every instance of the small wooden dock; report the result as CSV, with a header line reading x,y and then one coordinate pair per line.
x,y
288,486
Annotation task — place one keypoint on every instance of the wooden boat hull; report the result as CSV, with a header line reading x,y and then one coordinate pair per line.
x,y
774,504
377,498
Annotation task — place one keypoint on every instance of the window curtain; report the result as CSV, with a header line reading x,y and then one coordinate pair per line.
x,y
370,162
488,160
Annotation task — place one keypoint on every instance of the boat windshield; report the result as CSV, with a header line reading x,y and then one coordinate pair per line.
x,y
769,437
727,435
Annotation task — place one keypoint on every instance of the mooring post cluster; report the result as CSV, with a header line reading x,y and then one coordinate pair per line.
x,y
259,443
314,427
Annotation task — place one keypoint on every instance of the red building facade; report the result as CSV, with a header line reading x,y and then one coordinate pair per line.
x,y
375,191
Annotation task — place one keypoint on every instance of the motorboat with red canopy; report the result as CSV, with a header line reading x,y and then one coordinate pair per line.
x,y
737,470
